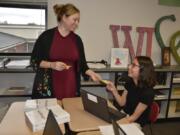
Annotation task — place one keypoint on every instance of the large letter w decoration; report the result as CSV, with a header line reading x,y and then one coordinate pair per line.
x,y
128,42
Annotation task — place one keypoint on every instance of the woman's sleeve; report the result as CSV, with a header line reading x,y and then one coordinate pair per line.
x,y
36,55
83,64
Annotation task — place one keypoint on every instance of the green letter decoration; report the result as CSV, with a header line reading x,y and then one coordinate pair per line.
x,y
157,29
174,48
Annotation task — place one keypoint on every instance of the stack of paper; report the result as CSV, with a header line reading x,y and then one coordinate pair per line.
x,y
96,65
129,129
18,64
37,115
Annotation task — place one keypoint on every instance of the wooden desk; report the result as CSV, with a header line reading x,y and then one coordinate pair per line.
x,y
14,123
90,133
80,119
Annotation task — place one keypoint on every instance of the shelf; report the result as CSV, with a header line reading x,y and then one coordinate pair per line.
x,y
176,80
172,68
161,87
161,94
174,115
15,91
175,93
26,70
91,83
161,98
165,101
108,69
174,109
177,97
155,87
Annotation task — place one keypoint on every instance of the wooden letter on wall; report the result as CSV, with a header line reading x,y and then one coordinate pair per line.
x,y
142,31
114,29
128,42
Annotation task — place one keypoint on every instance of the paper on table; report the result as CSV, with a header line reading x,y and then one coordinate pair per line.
x,y
106,130
129,129
96,65
18,64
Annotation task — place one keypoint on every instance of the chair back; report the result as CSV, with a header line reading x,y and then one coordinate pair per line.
x,y
154,112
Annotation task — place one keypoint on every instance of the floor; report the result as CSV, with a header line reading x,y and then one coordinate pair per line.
x,y
163,128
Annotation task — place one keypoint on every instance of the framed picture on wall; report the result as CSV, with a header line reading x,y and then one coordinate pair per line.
x,y
119,57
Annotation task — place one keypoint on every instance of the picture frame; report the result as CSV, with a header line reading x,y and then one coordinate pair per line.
x,y
166,59
119,57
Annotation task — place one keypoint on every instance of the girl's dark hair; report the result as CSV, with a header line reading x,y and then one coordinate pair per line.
x,y
147,75
64,9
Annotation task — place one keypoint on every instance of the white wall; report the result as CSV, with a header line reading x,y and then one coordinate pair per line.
x,y
97,15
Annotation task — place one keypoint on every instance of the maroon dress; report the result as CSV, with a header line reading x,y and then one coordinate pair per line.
x,y
64,49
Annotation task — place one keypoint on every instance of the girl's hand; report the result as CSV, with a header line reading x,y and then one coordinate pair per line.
x,y
111,87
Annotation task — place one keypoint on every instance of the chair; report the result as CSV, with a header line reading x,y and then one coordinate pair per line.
x,y
154,112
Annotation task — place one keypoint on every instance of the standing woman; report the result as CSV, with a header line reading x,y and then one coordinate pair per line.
x,y
58,57
139,93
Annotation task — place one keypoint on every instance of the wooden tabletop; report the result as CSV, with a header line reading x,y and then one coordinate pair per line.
x,y
81,120
90,133
14,123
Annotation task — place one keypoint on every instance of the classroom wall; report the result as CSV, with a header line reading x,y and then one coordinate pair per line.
x,y
97,15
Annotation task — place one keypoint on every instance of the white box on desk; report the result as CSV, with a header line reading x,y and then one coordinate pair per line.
x,y
36,119
33,104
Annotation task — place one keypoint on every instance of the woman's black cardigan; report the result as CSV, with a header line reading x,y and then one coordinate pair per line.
x,y
42,87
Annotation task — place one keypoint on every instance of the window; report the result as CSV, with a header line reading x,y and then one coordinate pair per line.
x,y
20,26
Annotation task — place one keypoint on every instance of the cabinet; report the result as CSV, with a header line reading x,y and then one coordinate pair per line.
x,y
15,83
174,104
167,91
